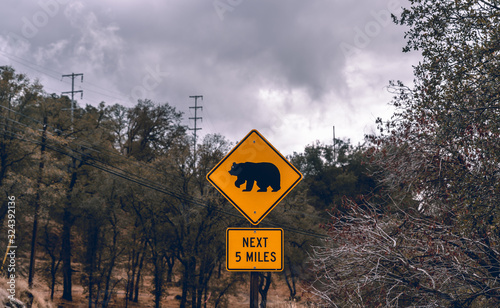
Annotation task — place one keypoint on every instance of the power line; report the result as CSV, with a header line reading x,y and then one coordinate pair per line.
x,y
83,143
29,64
93,162
97,148
40,69
109,168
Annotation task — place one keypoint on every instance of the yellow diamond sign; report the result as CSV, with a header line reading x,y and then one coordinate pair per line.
x,y
254,177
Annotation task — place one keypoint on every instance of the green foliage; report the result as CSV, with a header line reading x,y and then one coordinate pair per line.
x,y
330,177
447,125
151,130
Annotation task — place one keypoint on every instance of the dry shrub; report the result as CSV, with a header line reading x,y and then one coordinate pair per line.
x,y
37,295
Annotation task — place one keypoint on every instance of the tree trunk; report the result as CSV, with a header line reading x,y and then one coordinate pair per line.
x,y
93,237
159,272
66,255
265,283
66,238
290,284
31,273
139,271
192,282
53,274
205,273
185,283
129,292
201,278
107,290
170,264
54,261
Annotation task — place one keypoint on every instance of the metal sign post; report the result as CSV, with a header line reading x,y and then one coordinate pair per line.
x,y
254,290
254,177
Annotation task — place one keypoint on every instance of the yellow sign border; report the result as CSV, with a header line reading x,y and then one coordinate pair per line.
x,y
256,269
255,222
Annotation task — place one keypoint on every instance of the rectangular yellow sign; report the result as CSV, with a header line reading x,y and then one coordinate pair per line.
x,y
254,249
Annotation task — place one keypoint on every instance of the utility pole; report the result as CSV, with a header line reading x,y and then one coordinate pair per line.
x,y
334,143
195,118
67,215
73,76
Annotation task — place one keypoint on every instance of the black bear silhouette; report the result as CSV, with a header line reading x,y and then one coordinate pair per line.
x,y
265,174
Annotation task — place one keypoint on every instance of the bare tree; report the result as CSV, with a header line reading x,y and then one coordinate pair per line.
x,y
406,258
436,243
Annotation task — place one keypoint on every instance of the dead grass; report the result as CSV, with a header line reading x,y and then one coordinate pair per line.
x,y
277,296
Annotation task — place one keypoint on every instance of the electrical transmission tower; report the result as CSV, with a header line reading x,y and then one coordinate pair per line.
x,y
73,76
195,118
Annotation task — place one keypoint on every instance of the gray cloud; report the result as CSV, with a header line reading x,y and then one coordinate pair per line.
x,y
280,68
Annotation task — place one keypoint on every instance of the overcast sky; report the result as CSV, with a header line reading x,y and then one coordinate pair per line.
x,y
291,69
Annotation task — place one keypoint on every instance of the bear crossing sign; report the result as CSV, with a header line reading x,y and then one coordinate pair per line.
x,y
254,177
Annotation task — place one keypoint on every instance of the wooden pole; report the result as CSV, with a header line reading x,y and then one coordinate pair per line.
x,y
254,289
